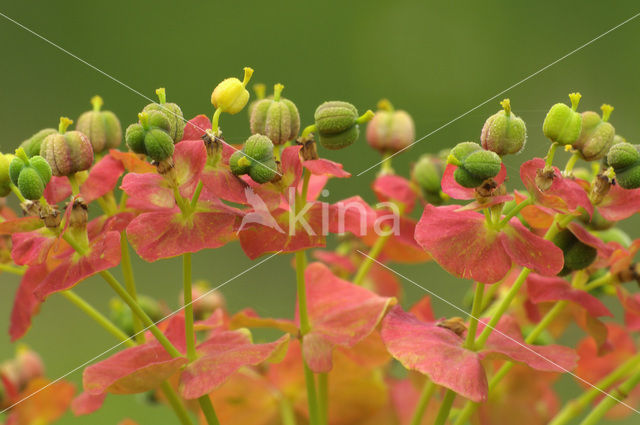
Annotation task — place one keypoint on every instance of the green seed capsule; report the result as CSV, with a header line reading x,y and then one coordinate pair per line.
x,y
30,175
563,124
577,255
258,148
336,124
427,173
255,159
475,165
276,118
504,132
263,172
151,136
102,127
5,180
237,165
32,145
622,156
390,130
172,112
67,152
596,136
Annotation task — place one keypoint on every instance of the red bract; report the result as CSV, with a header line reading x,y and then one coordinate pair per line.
x,y
390,187
145,367
619,204
164,230
103,177
25,304
439,353
564,195
41,402
462,243
340,314
453,189
545,289
631,305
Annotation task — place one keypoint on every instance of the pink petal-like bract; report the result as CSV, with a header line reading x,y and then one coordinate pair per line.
x,y
619,204
221,355
436,352
147,192
530,250
103,254
462,244
390,187
506,339
190,157
196,127
564,195
103,177
86,403
25,304
325,167
57,190
166,233
340,313
133,370
545,289
453,189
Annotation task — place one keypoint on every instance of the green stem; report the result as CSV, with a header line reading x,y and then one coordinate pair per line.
x,y
476,310
90,311
490,294
8,268
601,281
17,192
196,195
612,400
301,264
188,305
208,410
286,412
385,164
308,130
137,310
577,405
445,408
305,189
214,121
312,397
75,186
514,212
571,163
130,283
427,392
176,404
323,398
366,264
550,155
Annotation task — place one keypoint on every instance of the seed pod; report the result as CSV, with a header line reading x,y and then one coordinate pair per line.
x,y
102,127
30,175
170,110
67,152
151,136
255,159
389,130
577,255
260,90
504,132
427,173
230,95
32,145
5,180
596,136
276,118
563,124
624,158
475,165
336,124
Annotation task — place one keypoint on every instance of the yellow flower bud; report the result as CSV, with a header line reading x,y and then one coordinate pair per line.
x,y
231,95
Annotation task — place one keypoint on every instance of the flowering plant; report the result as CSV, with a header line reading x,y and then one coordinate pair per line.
x,y
539,259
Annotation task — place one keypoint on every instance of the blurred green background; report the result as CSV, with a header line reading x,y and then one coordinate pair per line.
x,y
437,60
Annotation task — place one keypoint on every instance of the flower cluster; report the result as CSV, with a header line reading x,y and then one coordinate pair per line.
x,y
539,259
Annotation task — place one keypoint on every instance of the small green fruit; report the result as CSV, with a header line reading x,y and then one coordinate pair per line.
x,y
30,175
475,165
32,145
237,165
563,124
172,112
427,173
151,136
102,127
336,124
231,95
255,159
5,180
625,160
67,152
577,255
504,132
596,136
276,118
